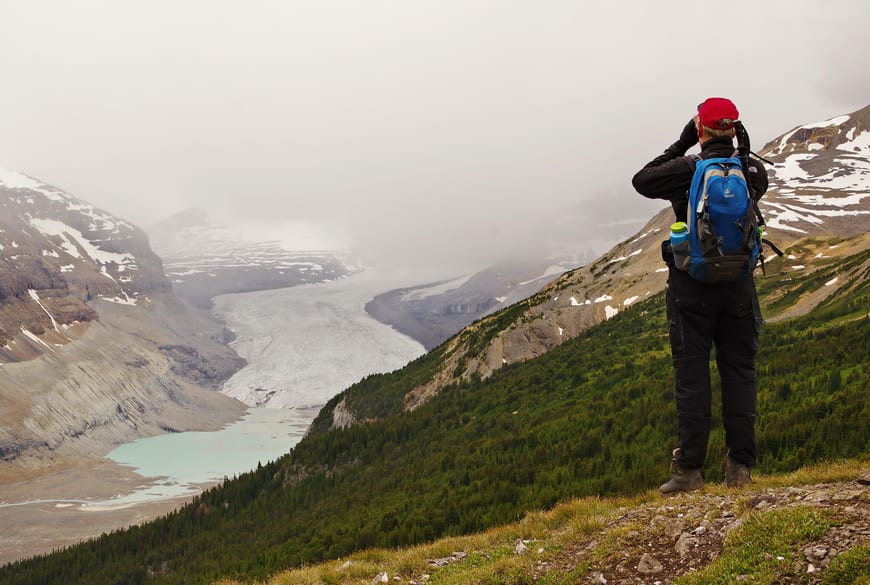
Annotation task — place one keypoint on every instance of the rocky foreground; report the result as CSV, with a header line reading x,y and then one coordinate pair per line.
x,y
678,536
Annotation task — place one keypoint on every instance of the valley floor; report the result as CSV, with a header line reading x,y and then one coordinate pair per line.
x,y
63,507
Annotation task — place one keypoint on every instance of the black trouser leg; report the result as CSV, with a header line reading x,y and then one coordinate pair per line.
x,y
693,396
738,409
691,317
736,345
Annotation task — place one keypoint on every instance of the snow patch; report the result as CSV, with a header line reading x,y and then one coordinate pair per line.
x,y
610,312
33,337
831,122
125,300
603,298
645,234
832,282
35,296
71,236
630,300
621,258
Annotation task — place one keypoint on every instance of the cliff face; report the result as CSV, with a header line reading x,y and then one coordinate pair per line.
x,y
94,348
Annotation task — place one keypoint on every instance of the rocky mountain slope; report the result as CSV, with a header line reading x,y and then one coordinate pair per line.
x,y
56,254
95,348
205,257
818,191
433,313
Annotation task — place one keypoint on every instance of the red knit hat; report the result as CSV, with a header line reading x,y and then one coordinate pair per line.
x,y
718,113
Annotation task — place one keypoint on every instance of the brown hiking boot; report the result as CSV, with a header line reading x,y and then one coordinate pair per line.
x,y
682,480
736,474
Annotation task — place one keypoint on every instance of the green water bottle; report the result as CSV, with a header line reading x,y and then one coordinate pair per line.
x,y
680,244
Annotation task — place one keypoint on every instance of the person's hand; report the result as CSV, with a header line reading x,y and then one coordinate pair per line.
x,y
688,139
689,135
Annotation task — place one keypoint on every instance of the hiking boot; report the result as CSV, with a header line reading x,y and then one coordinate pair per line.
x,y
682,479
736,474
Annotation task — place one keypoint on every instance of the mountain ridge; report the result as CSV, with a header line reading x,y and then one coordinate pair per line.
x,y
205,256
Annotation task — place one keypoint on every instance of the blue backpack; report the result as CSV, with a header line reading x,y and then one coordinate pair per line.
x,y
724,236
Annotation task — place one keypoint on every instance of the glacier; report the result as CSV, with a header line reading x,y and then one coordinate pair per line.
x,y
307,343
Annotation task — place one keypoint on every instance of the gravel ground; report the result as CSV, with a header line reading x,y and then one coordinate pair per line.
x,y
56,509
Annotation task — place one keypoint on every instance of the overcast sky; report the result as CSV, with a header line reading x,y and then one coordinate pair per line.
x,y
407,129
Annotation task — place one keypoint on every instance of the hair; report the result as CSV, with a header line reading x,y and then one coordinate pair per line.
x,y
715,132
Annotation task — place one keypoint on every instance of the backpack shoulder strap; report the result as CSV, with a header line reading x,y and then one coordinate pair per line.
x,y
692,160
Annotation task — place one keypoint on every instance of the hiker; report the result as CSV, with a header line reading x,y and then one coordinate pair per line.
x,y
702,314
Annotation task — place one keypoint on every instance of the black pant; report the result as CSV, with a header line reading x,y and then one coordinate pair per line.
x,y
699,316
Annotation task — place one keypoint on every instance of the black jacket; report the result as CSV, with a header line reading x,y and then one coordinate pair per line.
x,y
669,175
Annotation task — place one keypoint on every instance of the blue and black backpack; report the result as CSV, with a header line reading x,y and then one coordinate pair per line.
x,y
723,229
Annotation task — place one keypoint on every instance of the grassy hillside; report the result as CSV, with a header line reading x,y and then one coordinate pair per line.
x,y
758,534
592,417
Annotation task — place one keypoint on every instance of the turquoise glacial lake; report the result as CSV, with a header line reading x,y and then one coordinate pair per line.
x,y
180,463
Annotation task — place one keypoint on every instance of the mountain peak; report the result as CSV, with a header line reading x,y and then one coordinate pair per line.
x,y
57,252
820,177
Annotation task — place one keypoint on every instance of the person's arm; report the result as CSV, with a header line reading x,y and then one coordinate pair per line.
x,y
665,177
668,175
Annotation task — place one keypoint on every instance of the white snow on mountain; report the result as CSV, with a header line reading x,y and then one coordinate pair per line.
x,y
45,221
827,123
808,193
35,296
27,186
73,240
16,180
